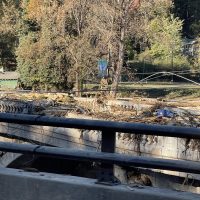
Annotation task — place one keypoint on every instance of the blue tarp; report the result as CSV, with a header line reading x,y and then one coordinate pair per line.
x,y
165,113
102,66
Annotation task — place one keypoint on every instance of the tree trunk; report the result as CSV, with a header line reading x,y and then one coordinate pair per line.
x,y
46,87
118,69
79,85
126,6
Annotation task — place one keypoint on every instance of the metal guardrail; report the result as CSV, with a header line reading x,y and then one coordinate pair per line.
x,y
107,156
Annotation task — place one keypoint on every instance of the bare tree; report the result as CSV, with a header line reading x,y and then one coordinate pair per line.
x,y
111,21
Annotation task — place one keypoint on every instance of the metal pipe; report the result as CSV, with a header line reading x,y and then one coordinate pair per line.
x,y
110,158
108,126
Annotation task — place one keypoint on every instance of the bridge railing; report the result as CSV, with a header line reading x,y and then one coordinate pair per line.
x,y
107,156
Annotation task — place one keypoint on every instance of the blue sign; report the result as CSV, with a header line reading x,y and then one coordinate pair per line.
x,y
102,66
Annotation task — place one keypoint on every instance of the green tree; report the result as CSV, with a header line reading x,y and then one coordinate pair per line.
x,y
61,41
55,47
9,15
164,35
41,54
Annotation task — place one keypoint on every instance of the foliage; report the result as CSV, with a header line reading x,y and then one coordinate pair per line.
x,y
9,17
55,47
188,11
60,41
164,37
41,55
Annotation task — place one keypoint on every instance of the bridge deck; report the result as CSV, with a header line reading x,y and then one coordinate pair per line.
x,y
17,184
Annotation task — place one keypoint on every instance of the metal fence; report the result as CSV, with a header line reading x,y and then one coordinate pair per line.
x,y
107,156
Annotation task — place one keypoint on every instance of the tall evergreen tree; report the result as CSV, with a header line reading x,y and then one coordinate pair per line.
x,y
189,12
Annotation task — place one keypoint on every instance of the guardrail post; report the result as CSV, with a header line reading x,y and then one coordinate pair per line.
x,y
108,142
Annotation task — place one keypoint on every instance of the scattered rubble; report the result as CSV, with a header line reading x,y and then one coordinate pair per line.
x,y
138,110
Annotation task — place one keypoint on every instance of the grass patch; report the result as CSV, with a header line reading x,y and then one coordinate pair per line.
x,y
155,89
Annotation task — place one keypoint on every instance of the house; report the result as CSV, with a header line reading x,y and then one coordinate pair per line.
x,y
190,47
9,80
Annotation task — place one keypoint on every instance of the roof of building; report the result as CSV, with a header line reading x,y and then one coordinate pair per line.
x,y
9,75
189,41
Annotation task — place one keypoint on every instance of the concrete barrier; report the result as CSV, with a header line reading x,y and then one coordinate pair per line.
x,y
20,185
